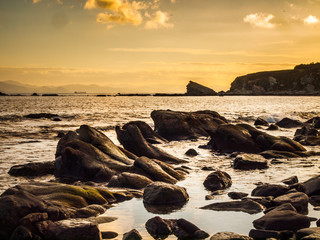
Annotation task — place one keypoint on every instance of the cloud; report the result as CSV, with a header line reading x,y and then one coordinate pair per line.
x,y
311,20
36,1
130,12
159,19
262,20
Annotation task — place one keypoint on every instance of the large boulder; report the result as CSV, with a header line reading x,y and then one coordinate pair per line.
x,y
289,123
281,219
250,162
217,180
158,228
298,199
245,205
174,125
245,138
38,204
311,186
132,139
274,190
196,89
159,193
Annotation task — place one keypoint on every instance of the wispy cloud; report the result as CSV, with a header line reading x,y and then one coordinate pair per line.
x,y
262,20
36,1
311,20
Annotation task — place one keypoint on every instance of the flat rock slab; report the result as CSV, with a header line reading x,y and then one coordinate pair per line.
x,y
246,205
229,236
250,162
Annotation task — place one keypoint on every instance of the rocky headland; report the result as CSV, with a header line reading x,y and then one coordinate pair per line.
x,y
304,79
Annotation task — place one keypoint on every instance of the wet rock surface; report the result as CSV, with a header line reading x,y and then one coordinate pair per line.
x,y
32,169
48,206
185,125
245,205
159,193
245,138
250,162
229,236
217,180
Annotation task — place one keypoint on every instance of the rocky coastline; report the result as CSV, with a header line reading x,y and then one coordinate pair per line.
x,y
92,174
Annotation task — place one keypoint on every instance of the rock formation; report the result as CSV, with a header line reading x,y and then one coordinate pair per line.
x,y
302,80
196,89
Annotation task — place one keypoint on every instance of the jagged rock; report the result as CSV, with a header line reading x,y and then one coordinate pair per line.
x,y
250,162
302,80
307,136
132,235
280,219
147,132
245,205
229,236
261,122
289,123
196,89
32,169
291,180
133,140
159,193
266,190
174,125
217,180
245,138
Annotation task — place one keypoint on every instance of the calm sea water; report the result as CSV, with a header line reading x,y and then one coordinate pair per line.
x,y
25,140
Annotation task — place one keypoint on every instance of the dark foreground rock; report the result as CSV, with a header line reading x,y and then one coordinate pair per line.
x,y
298,200
196,89
40,207
132,139
313,233
289,123
217,180
89,155
32,169
160,228
250,162
191,153
274,190
290,180
159,193
174,125
311,186
307,135
132,235
280,219
229,236
245,138
245,205
270,234
261,122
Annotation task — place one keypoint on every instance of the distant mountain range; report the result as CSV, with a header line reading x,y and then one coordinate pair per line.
x,y
11,87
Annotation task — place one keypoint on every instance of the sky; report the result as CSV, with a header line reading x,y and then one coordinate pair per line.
x,y
149,46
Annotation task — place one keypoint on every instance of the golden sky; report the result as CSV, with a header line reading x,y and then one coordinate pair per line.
x,y
153,45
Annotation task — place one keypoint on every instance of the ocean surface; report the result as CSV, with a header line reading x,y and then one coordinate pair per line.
x,y
24,140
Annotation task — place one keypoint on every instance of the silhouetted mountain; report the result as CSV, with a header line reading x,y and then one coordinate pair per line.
x,y
17,87
304,79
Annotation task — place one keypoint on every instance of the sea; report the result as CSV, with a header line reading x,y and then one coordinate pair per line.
x,y
24,140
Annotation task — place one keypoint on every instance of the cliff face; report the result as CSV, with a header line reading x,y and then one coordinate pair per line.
x,y
302,80
196,89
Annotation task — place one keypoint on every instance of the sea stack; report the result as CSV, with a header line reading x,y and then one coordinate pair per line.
x,y
196,89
